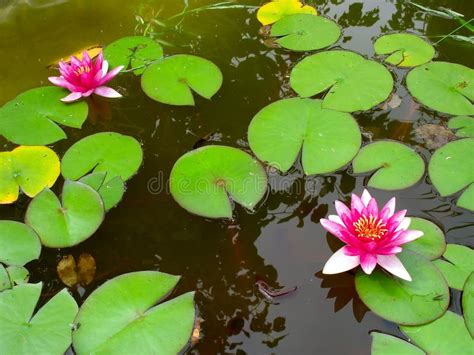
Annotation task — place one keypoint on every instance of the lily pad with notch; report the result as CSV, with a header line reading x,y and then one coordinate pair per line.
x,y
385,344
112,153
464,126
30,169
305,32
19,244
432,244
451,170
468,303
397,165
328,139
415,302
68,222
404,49
457,266
48,331
120,316
134,52
352,82
205,179
444,87
173,79
111,191
32,117
275,10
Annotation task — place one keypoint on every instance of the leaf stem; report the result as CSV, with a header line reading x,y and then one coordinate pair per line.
x,y
454,31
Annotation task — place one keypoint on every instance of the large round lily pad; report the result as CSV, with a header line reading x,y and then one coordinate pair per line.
x,y
111,191
48,331
385,344
446,335
202,181
458,266
30,169
120,317
432,244
329,139
397,166
173,79
468,303
70,221
109,152
277,9
404,49
444,87
305,32
32,117
352,82
451,169
133,52
419,301
464,126
19,244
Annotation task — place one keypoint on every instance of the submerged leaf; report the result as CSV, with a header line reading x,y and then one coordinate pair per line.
x,y
464,126
275,10
458,266
82,273
434,135
385,344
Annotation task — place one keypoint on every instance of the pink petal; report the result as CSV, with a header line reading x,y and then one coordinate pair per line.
x,y
404,224
107,92
110,75
88,93
105,67
388,210
336,219
368,262
395,220
406,237
393,265
339,262
336,230
357,204
366,197
72,97
58,81
390,250
373,208
351,250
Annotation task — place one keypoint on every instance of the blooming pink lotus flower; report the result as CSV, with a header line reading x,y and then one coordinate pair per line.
x,y
371,236
86,77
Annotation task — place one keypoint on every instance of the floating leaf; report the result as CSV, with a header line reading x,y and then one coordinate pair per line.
x,y
354,83
451,169
133,52
19,244
444,87
446,335
109,152
275,10
18,275
384,344
203,180
5,282
404,49
304,32
111,191
67,222
46,332
30,169
329,139
31,118
119,317
170,80
468,303
432,244
397,165
419,301
82,273
464,126
457,267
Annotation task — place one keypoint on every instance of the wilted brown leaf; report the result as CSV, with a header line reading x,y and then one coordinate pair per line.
x,y
434,136
67,271
86,269
82,273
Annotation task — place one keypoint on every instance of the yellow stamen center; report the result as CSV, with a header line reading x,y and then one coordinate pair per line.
x,y
370,228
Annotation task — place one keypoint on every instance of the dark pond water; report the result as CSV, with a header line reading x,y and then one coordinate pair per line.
x,y
282,242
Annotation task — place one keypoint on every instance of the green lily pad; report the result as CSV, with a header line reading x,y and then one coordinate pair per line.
x,y
133,52
46,332
19,244
464,126
120,317
172,80
30,169
384,344
444,87
5,282
70,221
451,169
397,166
32,117
203,180
354,83
457,267
329,139
468,303
18,275
109,152
432,244
446,335
111,191
404,49
415,302
305,32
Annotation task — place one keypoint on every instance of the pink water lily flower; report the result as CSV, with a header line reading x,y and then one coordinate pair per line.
x,y
86,77
371,236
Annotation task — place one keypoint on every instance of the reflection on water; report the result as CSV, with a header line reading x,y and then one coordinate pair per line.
x,y
281,242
